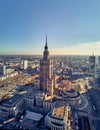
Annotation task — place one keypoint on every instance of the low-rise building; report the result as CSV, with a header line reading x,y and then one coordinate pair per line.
x,y
58,118
10,107
29,100
40,96
47,103
71,96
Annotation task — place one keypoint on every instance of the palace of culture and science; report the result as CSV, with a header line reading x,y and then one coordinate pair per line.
x,y
46,72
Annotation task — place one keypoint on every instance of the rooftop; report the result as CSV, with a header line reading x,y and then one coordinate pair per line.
x,y
72,93
58,112
33,116
12,101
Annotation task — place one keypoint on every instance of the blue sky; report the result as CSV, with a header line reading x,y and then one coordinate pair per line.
x,y
72,26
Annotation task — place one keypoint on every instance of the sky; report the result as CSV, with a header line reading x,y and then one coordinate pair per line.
x,y
72,26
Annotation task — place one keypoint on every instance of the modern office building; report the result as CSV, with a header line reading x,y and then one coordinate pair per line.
x,y
97,78
61,64
25,64
2,70
46,71
92,63
99,61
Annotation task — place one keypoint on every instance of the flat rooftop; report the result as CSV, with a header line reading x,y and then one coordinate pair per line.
x,y
59,112
12,101
33,116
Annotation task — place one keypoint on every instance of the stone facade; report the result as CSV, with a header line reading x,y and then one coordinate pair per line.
x,y
46,71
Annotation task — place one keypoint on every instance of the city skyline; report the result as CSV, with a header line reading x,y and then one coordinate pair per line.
x,y
72,27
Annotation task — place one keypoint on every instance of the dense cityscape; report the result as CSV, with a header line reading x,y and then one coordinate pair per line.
x,y
49,92
49,65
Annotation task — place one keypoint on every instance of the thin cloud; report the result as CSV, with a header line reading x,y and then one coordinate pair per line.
x,y
79,49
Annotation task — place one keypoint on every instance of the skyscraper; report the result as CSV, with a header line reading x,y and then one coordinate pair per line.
x,y
92,62
97,75
99,60
25,64
97,78
46,71
2,70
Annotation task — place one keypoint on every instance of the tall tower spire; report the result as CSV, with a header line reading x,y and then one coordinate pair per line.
x,y
46,71
46,46
46,52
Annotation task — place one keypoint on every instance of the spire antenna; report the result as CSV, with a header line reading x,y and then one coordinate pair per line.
x,y
46,46
46,38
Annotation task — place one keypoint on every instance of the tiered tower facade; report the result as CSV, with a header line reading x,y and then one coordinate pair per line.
x,y
46,71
